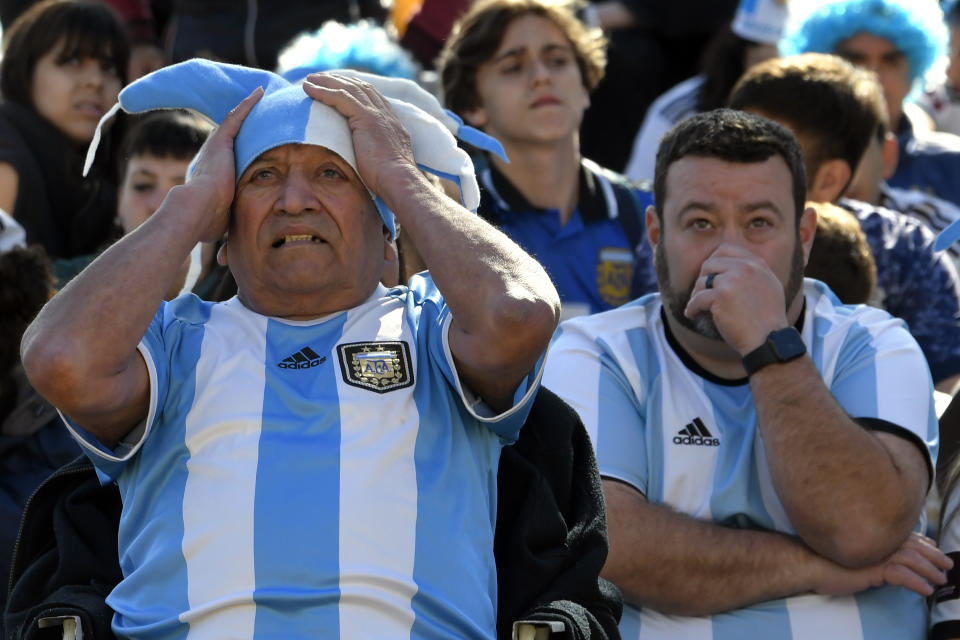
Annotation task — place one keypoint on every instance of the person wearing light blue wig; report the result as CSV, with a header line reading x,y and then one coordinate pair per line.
x,y
362,45
295,462
899,40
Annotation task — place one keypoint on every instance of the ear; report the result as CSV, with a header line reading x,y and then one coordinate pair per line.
x,y
476,117
653,226
830,181
807,230
891,155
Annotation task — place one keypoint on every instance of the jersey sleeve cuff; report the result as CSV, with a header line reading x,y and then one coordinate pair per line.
x,y
109,462
506,423
877,424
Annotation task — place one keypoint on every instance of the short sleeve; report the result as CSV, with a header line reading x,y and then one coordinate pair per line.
x,y
110,462
881,374
432,319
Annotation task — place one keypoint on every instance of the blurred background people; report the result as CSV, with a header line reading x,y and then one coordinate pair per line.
x,y
898,41
33,440
840,255
64,62
751,37
154,157
522,71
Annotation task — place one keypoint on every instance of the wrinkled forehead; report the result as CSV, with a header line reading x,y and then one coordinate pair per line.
x,y
306,154
290,117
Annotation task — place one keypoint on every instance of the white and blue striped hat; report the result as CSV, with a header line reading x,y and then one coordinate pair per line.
x,y
286,114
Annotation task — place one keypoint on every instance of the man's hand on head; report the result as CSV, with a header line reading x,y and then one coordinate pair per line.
x,y
746,299
214,175
380,142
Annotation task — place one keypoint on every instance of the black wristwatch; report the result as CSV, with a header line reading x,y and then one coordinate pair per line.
x,y
782,345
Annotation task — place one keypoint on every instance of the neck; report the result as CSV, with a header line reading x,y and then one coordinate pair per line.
x,y
303,307
716,356
546,175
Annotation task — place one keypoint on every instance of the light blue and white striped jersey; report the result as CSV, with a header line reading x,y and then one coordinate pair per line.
x,y
328,478
692,443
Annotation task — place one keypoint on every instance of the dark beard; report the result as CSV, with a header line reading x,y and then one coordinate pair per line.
x,y
702,323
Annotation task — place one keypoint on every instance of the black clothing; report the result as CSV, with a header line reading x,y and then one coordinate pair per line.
x,y
33,444
551,536
70,215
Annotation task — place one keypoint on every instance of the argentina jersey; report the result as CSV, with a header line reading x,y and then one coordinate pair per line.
x,y
691,442
326,478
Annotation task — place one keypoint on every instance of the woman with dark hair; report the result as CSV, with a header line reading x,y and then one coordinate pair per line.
x,y
64,62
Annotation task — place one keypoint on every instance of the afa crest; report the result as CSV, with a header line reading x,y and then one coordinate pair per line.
x,y
614,271
377,366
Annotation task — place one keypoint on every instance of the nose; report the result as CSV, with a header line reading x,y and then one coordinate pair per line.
x,y
93,74
539,72
297,195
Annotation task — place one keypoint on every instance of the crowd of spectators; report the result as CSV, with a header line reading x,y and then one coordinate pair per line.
x,y
539,319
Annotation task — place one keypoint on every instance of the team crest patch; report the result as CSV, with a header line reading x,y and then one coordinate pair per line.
x,y
614,271
378,366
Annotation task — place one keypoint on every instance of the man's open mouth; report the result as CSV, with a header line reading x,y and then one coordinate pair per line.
x,y
299,238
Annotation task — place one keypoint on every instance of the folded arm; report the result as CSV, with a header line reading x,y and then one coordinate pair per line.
x,y
677,564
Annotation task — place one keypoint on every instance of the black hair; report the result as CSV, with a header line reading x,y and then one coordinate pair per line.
x,y
835,107
733,136
173,133
88,29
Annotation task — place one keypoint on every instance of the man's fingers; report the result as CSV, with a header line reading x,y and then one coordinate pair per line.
x,y
231,124
925,549
901,576
345,94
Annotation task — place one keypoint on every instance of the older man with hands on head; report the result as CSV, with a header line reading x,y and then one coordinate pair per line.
x,y
765,450
296,461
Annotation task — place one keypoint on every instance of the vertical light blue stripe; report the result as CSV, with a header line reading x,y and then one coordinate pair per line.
x,y
892,613
861,399
736,499
296,508
630,623
161,463
768,620
456,460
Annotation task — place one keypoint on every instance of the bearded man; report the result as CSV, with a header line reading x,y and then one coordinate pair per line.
x,y
765,451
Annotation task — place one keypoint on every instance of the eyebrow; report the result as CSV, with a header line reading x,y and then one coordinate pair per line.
x,y
750,207
516,51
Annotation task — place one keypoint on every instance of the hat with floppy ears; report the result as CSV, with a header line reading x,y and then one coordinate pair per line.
x,y
287,115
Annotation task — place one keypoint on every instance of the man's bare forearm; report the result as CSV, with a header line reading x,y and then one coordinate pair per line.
x,y
504,306
81,347
852,495
677,564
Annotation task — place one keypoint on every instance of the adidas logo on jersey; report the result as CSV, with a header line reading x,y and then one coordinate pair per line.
x,y
696,433
303,359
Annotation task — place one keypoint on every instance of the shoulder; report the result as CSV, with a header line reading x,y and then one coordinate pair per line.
x,y
597,332
641,190
678,102
934,144
881,222
838,325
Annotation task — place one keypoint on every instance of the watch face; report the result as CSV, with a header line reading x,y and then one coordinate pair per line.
x,y
788,344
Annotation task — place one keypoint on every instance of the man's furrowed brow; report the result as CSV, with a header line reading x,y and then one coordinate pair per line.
x,y
762,205
694,206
